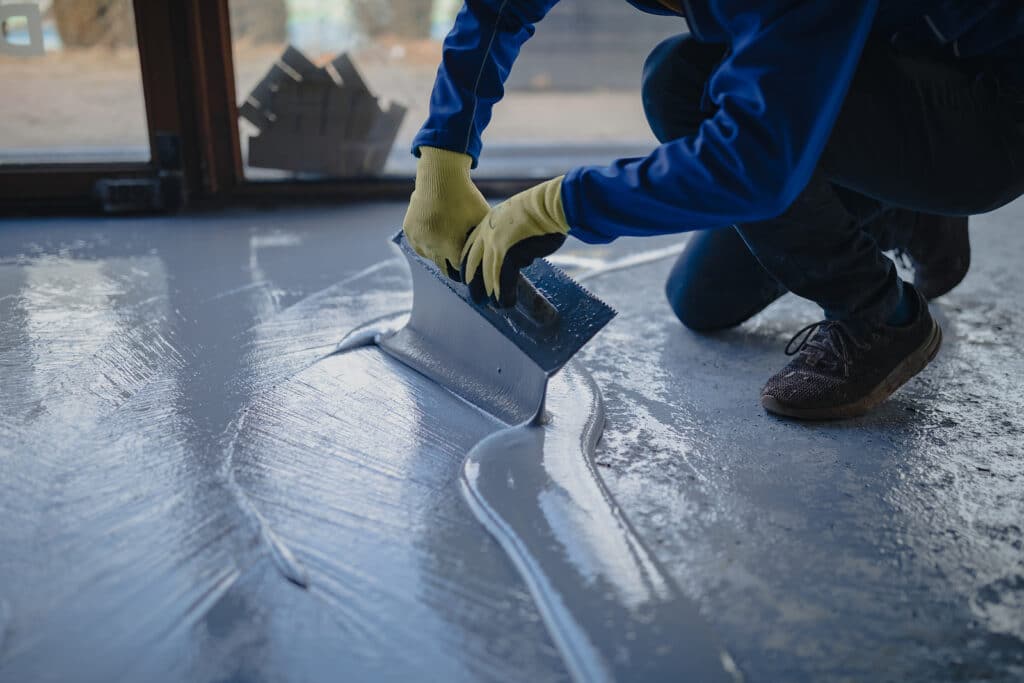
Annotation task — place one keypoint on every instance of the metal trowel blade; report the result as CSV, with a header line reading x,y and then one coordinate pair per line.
x,y
553,319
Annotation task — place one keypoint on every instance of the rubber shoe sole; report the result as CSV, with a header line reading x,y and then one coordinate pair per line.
x,y
901,374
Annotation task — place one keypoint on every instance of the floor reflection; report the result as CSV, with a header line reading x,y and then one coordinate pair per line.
x,y
154,370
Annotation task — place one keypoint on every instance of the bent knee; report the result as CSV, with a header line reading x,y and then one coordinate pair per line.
x,y
695,308
667,68
672,90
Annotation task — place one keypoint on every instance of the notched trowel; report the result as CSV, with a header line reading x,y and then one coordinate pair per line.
x,y
497,359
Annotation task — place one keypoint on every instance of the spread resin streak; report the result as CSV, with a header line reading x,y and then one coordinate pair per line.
x,y
612,611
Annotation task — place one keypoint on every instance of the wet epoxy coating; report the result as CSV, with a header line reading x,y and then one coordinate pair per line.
x,y
609,606
176,455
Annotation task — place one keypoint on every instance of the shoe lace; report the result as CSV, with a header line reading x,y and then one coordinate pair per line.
x,y
832,339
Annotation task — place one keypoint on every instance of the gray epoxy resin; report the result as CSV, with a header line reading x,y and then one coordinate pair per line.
x,y
613,613
168,396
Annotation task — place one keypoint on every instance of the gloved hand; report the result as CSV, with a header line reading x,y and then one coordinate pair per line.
x,y
444,207
530,225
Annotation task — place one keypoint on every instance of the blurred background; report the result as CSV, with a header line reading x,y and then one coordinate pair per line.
x,y
574,91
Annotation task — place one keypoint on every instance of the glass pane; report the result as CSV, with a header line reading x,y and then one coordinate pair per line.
x,y
71,83
573,96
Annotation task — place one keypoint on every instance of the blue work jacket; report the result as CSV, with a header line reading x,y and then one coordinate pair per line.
x,y
776,97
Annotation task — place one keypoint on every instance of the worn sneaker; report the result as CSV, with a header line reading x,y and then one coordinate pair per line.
x,y
841,371
940,253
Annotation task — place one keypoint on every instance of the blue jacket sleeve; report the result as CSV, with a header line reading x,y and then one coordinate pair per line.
x,y
477,57
777,95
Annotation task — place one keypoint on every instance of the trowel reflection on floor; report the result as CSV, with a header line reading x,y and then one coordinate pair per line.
x,y
611,609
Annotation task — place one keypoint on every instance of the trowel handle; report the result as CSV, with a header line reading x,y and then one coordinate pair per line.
x,y
533,304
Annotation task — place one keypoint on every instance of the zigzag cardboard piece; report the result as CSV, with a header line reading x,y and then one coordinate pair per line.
x,y
319,119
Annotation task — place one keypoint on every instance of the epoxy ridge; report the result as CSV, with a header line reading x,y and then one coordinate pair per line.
x,y
535,488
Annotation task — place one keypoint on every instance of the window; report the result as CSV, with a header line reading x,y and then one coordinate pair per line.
x,y
572,98
71,83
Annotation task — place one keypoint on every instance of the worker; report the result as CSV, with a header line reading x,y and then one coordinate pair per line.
x,y
801,137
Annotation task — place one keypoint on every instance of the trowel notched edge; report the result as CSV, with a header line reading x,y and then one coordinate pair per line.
x,y
575,317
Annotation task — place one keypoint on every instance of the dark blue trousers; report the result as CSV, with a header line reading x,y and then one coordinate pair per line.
x,y
916,135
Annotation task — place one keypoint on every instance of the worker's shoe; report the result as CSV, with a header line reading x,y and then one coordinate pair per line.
x,y
841,371
940,253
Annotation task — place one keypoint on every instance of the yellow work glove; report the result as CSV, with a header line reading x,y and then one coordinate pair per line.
x,y
528,226
444,207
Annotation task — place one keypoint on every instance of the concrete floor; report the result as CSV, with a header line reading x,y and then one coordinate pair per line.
x,y
173,447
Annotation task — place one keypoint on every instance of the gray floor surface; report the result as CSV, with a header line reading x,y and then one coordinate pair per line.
x,y
173,442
